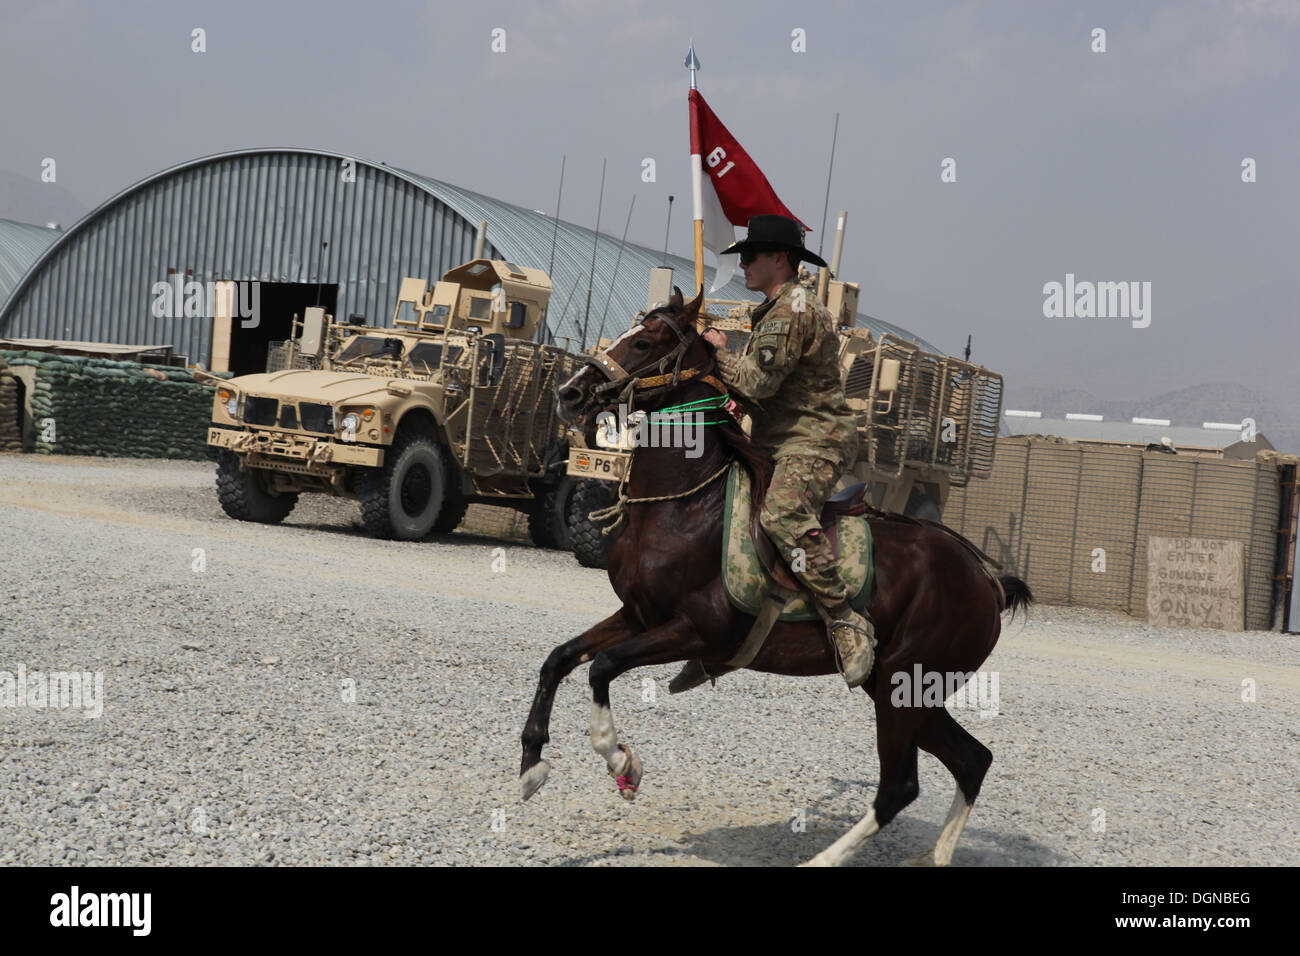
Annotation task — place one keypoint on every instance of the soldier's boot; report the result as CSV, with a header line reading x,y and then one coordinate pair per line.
x,y
854,638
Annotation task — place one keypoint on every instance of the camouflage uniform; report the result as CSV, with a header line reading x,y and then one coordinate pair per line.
x,y
788,379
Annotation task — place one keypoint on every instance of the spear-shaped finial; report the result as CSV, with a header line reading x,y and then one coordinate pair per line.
x,y
692,62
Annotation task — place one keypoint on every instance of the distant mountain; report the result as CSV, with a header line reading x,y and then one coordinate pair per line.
x,y
1190,406
27,199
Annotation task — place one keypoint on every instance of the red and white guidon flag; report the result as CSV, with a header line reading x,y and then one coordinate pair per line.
x,y
736,187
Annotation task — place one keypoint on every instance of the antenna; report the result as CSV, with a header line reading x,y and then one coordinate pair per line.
x,y
968,348
610,295
320,271
827,204
666,225
556,231
591,278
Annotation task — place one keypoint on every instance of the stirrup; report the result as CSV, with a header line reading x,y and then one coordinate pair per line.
x,y
848,622
869,650
692,675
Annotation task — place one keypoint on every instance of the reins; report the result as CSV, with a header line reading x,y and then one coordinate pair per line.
x,y
618,508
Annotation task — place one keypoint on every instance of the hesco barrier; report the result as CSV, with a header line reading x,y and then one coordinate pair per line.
x,y
90,406
11,415
494,522
1048,504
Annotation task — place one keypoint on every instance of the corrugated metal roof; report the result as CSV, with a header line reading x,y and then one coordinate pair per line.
x,y
1182,436
267,215
527,234
263,214
21,245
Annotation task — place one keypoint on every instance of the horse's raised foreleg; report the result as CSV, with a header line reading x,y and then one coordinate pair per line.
x,y
675,641
560,662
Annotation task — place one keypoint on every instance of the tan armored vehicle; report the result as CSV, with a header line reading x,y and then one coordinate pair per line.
x,y
926,422
451,404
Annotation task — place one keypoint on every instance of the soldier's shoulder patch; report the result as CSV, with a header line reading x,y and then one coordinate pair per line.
x,y
766,356
774,326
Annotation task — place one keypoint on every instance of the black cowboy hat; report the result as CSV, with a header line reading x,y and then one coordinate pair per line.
x,y
774,234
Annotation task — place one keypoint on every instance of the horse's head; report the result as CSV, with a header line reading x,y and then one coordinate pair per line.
x,y
657,345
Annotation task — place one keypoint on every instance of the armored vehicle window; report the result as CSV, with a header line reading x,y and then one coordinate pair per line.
x,y
438,315
515,270
479,307
363,346
428,353
517,312
477,269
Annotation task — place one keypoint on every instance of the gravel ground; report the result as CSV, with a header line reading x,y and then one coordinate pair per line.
x,y
315,696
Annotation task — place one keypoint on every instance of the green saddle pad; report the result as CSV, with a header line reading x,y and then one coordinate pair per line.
x,y
746,580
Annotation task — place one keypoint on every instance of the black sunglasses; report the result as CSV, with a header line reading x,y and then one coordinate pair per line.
x,y
748,257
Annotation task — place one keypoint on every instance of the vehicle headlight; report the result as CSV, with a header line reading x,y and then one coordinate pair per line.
x,y
230,398
350,422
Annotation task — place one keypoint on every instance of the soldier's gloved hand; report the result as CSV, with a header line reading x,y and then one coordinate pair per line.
x,y
715,338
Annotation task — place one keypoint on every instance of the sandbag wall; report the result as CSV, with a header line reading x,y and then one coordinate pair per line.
x,y
91,406
11,415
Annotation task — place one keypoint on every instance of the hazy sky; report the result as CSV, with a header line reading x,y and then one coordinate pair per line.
x,y
1115,166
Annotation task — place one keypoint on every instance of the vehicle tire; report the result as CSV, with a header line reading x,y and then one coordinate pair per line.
x,y
405,499
548,518
453,511
243,494
590,546
923,506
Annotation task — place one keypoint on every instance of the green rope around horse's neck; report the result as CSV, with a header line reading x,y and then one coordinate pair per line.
x,y
711,404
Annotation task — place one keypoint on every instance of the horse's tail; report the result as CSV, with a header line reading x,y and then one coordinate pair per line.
x,y
1018,595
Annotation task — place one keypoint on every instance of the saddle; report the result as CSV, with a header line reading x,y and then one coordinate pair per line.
x,y
753,569
844,503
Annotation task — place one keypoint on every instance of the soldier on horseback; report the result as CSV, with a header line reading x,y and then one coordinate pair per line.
x,y
787,379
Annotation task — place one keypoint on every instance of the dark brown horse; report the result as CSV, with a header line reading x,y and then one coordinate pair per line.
x,y
936,607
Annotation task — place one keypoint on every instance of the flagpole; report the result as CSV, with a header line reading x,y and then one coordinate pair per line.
x,y
697,175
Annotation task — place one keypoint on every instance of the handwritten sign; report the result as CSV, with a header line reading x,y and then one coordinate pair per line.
x,y
1195,582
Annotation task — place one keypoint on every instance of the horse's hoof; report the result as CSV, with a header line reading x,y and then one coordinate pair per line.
x,y
532,780
630,779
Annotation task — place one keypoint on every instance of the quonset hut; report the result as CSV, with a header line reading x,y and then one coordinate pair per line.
x,y
20,246
311,227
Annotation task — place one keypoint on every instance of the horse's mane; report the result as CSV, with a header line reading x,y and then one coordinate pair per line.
x,y
754,458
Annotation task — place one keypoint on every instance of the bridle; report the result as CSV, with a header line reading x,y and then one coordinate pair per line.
x,y
626,384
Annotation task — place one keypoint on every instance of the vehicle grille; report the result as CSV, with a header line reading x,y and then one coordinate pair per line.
x,y
317,418
260,411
